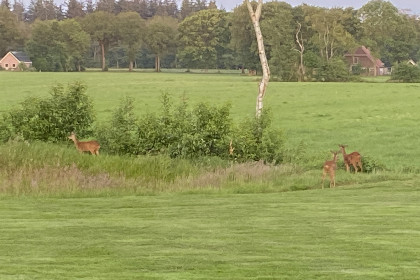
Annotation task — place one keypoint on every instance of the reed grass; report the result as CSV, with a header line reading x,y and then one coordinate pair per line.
x,y
57,170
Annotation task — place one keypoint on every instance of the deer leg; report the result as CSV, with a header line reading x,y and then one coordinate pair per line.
x,y
323,179
360,164
347,167
355,167
332,180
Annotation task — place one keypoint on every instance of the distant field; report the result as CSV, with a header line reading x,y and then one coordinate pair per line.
x,y
377,119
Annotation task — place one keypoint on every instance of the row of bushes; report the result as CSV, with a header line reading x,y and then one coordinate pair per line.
x,y
178,130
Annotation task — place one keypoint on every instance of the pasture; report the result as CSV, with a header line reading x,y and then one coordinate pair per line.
x,y
377,119
180,220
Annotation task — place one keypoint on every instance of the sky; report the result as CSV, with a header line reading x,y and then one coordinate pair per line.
x,y
413,5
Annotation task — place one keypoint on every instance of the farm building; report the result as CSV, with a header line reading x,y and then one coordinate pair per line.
x,y
370,65
12,60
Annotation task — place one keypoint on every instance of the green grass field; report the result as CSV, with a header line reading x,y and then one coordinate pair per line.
x,y
377,119
366,232
181,221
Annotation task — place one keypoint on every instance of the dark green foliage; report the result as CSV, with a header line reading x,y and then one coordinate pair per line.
x,y
51,119
335,70
119,136
253,139
183,132
356,69
406,73
371,165
207,133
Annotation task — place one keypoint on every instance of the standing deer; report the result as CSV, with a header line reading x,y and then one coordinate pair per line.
x,y
85,146
329,167
354,159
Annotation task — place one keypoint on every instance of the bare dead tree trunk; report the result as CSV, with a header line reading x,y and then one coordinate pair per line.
x,y
299,40
255,17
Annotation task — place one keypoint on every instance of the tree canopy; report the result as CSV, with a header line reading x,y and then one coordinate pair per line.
x,y
196,34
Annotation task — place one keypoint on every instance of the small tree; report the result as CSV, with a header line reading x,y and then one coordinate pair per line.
x,y
102,27
406,73
160,37
52,119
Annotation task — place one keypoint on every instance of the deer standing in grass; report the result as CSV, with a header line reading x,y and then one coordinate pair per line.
x,y
85,146
329,167
355,159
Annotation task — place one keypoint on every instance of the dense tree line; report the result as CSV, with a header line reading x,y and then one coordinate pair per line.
x,y
158,33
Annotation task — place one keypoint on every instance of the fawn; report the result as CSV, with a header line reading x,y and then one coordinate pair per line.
x,y
85,146
354,159
329,167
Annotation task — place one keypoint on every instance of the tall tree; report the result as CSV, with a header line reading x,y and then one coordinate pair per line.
x,y
108,6
19,10
279,39
388,33
202,38
89,7
10,30
74,9
255,18
102,27
330,36
76,43
44,48
243,40
57,45
188,7
42,10
6,4
161,37
131,29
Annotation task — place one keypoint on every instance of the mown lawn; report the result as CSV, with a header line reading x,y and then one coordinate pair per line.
x,y
365,232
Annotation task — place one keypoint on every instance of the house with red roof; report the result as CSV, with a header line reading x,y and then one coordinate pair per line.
x,y
12,60
370,65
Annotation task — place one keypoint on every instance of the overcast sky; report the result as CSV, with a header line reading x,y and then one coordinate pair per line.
x,y
413,5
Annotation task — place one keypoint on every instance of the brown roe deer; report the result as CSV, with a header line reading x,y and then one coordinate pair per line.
x,y
329,167
85,146
354,159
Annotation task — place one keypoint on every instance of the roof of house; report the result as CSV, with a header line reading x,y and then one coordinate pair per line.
x,y
21,56
363,51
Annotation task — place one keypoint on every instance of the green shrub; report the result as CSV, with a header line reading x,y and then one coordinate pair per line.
x,y
207,132
51,119
371,165
203,131
335,70
253,139
356,69
406,73
120,135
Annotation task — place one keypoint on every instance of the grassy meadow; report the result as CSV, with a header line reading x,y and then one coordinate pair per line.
x,y
71,216
377,119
